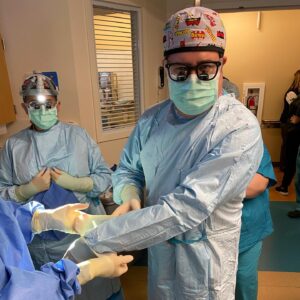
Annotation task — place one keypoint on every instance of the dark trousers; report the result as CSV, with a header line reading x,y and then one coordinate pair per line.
x,y
291,150
284,128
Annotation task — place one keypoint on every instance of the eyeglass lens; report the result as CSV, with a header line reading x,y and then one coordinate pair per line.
x,y
205,71
37,105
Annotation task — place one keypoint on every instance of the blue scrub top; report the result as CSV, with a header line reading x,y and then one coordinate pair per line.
x,y
256,216
18,278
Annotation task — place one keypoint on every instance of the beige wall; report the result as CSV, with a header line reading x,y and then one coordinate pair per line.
x,y
53,36
269,54
176,5
38,37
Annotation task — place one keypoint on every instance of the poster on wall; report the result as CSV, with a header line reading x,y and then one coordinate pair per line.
x,y
53,76
253,98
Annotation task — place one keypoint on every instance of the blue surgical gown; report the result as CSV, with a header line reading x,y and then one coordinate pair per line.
x,y
64,146
71,149
195,173
18,278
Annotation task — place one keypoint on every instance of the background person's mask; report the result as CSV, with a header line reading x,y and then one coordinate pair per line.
x,y
194,96
43,118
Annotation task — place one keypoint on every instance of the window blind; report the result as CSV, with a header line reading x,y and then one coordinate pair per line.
x,y
117,65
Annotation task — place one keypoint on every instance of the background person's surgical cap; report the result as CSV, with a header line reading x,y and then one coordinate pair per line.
x,y
194,29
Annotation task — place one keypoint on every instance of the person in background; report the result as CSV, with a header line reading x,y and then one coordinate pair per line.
x,y
292,93
256,222
56,281
290,137
296,212
256,225
194,155
55,163
295,120
231,88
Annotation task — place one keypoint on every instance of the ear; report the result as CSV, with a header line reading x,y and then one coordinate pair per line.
x,y
224,60
58,106
25,108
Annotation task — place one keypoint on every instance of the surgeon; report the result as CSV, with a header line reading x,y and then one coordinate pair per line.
x,y
295,120
256,221
193,155
256,226
55,281
55,163
230,87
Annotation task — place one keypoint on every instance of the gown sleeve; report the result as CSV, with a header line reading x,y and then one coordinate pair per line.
x,y
222,175
7,187
18,278
54,281
99,171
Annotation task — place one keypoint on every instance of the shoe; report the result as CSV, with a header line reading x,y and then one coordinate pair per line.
x,y
294,214
282,190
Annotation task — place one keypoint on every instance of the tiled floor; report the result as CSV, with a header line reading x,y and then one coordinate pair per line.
x,y
279,285
272,285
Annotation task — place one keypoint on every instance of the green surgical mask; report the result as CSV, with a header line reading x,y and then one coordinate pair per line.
x,y
194,96
43,118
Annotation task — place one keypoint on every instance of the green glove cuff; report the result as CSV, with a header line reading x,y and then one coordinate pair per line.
x,y
130,192
82,184
85,184
25,191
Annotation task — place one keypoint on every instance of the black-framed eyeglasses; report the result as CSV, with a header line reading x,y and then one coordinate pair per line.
x,y
205,71
48,104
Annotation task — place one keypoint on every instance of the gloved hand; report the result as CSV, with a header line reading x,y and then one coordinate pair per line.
x,y
87,222
62,218
40,183
131,200
76,184
106,265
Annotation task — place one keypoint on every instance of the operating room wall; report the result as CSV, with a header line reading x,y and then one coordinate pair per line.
x,y
176,5
53,36
267,54
37,36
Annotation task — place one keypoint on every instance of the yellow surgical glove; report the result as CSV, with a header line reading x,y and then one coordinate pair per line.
x,y
106,265
76,184
62,218
131,200
40,183
87,222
